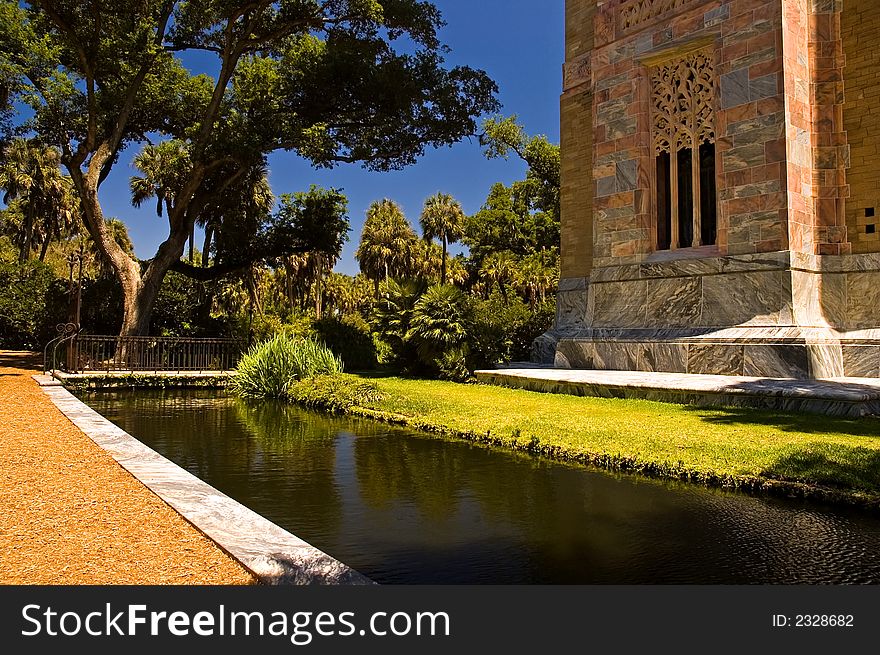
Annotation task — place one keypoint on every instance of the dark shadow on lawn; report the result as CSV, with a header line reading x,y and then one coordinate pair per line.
x,y
830,465
789,421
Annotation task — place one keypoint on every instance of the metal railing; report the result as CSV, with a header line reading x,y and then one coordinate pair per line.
x,y
94,353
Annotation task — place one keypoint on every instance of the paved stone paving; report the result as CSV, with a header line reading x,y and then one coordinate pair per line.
x,y
836,397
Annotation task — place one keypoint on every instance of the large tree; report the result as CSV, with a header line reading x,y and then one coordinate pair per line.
x,y
332,80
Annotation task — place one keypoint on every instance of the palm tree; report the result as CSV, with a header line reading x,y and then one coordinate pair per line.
x,y
386,243
31,173
538,275
499,268
442,218
164,167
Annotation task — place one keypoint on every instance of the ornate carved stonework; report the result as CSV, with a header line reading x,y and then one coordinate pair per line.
x,y
577,72
632,14
682,103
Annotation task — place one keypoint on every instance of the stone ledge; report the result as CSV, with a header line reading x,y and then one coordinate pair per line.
x,y
271,553
845,397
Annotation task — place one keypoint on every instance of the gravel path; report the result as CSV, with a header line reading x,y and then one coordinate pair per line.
x,y
69,514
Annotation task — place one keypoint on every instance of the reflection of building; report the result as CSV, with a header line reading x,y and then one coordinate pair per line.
x,y
720,183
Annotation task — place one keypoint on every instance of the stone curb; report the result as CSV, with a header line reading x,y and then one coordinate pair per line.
x,y
271,553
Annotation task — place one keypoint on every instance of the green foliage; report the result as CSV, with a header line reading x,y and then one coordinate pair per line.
x,y
440,324
349,337
269,368
442,218
264,327
334,393
503,331
313,221
392,315
183,309
334,82
30,304
386,245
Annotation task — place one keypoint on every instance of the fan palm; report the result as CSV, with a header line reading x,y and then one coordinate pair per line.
x,y
31,173
442,218
386,243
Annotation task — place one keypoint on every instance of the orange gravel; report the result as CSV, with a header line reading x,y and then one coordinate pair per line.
x,y
69,514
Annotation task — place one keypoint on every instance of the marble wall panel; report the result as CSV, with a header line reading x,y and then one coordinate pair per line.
x,y
826,360
862,300
663,357
805,298
776,361
619,304
832,297
574,284
674,302
861,361
571,310
715,359
575,354
616,356
747,299
615,273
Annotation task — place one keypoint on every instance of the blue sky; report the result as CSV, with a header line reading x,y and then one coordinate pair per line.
x,y
518,42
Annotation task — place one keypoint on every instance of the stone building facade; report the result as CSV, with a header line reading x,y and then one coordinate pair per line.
x,y
720,188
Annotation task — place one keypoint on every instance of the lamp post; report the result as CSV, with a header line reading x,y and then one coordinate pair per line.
x,y
74,263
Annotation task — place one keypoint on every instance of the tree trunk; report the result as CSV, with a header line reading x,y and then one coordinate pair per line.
x,y
206,251
192,244
25,252
45,248
443,263
139,289
319,293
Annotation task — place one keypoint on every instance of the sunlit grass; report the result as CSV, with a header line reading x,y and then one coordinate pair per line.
x,y
843,453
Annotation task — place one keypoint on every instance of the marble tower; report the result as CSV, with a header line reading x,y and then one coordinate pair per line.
x,y
720,188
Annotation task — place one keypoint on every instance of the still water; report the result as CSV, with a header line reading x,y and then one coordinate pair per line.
x,y
403,507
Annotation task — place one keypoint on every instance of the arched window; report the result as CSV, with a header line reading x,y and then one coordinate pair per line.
x,y
683,121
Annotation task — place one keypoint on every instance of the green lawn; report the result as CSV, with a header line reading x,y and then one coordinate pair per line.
x,y
737,447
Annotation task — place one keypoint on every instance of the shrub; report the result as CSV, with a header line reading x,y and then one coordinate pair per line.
x,y
31,304
392,315
453,365
334,393
269,368
350,339
440,322
267,326
503,331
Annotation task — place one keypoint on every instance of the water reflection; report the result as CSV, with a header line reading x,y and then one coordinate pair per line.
x,y
404,507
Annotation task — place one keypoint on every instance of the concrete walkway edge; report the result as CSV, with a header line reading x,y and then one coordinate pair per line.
x,y
271,553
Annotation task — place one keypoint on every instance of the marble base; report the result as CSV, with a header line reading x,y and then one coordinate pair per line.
x,y
852,398
779,314
796,353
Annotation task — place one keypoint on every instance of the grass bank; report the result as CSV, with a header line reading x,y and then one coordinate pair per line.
x,y
824,458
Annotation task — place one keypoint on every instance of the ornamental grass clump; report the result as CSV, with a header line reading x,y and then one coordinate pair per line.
x,y
269,368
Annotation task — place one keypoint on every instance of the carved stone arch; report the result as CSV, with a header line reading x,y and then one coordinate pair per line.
x,y
683,121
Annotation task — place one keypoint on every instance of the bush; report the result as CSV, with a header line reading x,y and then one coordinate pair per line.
x,y
503,331
267,326
31,304
269,368
350,339
334,393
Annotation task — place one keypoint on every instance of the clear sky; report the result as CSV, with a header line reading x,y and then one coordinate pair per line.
x,y
518,42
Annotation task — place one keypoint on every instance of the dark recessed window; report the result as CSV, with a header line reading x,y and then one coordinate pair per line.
x,y
869,212
870,229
